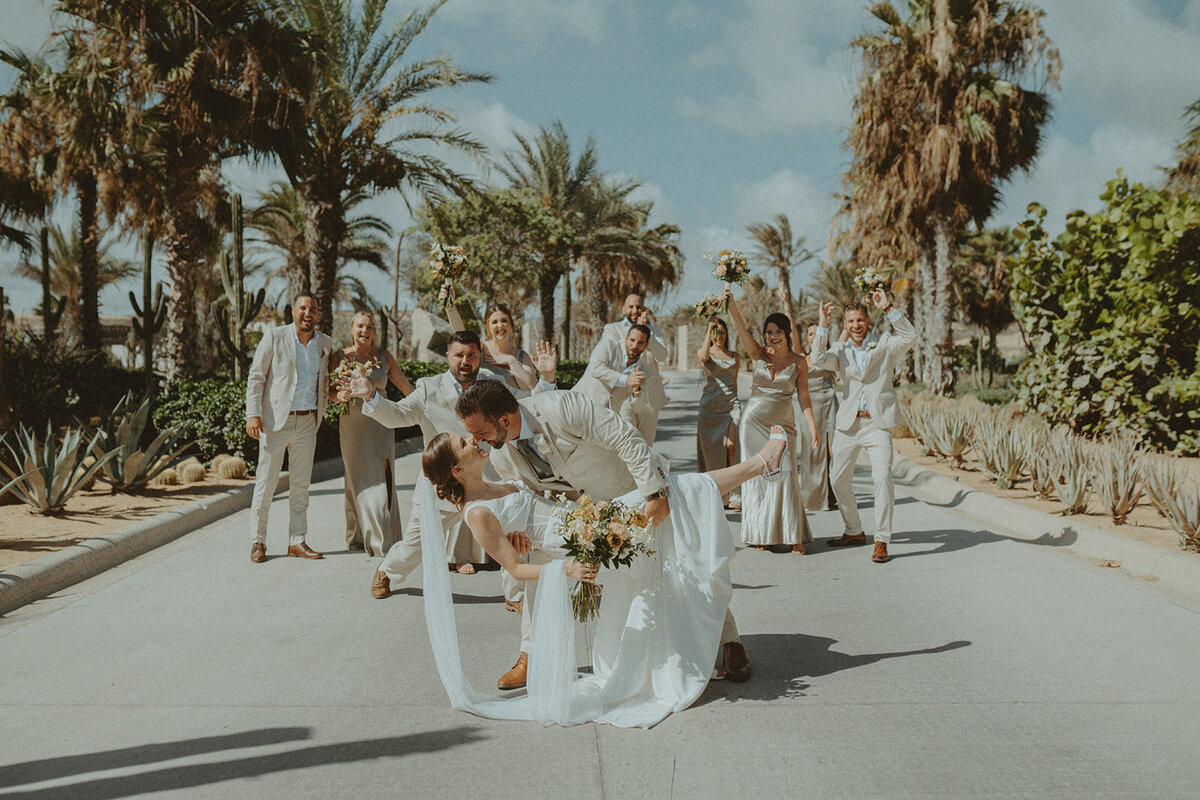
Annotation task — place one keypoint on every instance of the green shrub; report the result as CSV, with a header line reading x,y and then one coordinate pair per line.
x,y
569,373
1111,308
418,369
216,408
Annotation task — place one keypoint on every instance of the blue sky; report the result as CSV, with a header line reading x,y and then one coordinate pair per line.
x,y
730,112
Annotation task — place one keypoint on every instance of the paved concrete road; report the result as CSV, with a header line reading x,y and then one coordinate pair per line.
x,y
972,665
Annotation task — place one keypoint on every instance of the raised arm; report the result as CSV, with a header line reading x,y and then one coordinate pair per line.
x,y
904,334
706,345
745,338
821,357
520,366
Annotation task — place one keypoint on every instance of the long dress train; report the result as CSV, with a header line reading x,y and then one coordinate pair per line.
x,y
658,630
772,512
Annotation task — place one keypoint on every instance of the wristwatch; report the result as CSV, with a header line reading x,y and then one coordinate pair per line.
x,y
661,493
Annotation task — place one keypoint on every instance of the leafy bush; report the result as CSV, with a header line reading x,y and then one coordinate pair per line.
x,y
569,373
1111,308
418,369
216,409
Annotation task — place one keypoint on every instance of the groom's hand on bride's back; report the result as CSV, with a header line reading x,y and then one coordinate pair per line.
x,y
657,509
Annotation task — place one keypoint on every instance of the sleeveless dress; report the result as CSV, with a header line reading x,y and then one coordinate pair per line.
x,y
719,410
772,512
816,490
657,634
369,452
506,375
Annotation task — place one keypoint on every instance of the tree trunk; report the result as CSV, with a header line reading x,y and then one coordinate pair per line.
x,y
324,231
565,350
910,360
89,265
546,297
595,308
183,264
924,310
940,370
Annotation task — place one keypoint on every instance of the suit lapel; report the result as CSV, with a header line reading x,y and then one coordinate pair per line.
x,y
554,456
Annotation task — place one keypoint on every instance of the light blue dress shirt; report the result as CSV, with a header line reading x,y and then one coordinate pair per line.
x,y
308,373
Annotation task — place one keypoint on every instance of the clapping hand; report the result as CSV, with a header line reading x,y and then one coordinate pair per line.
x,y
880,298
545,360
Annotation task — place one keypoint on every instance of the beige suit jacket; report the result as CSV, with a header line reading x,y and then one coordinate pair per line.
x,y
589,448
656,350
431,405
271,382
875,382
603,381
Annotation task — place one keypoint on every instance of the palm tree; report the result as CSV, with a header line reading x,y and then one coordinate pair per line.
x,y
1185,175
347,140
775,247
940,121
834,280
546,166
985,286
66,270
281,222
207,79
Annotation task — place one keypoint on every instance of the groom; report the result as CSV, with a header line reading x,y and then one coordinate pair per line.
x,y
563,442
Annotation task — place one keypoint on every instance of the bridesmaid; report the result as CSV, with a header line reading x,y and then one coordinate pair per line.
x,y
368,448
772,511
504,358
716,425
816,490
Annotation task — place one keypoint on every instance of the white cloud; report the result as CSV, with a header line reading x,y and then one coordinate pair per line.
x,y
1071,176
536,22
789,81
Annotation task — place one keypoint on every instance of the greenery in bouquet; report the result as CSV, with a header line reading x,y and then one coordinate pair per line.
x,y
607,533
709,306
446,264
730,266
867,280
348,368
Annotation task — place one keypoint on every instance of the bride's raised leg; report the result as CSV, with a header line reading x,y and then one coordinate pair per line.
x,y
765,460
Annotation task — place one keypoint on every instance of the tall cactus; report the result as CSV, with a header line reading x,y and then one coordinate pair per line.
x,y
150,315
237,308
52,308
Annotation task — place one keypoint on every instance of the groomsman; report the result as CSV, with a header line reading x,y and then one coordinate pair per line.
x,y
867,411
563,442
431,405
634,312
286,391
624,378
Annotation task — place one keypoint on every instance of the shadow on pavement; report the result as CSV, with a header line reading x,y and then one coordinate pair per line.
x,y
948,541
468,599
783,662
191,775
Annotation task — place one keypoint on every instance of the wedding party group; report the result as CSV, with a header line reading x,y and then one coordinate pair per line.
x,y
563,489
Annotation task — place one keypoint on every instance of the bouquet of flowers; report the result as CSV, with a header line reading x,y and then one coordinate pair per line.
x,y
606,532
710,305
867,280
731,266
446,263
349,368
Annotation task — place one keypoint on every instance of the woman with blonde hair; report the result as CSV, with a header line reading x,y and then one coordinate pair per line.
x,y
373,520
500,355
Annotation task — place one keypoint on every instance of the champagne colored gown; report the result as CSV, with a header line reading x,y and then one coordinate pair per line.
x,y
717,420
772,511
369,452
815,487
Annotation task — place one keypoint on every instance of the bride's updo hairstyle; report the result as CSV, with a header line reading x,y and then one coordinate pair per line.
x,y
437,462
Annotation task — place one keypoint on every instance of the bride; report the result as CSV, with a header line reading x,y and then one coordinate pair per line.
x,y
660,620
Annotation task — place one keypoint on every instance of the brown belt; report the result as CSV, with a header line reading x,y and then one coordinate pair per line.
x,y
304,413
864,414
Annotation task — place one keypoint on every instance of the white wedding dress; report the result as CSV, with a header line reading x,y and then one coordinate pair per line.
x,y
658,630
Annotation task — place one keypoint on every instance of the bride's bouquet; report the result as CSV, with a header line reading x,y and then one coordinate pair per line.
x,y
446,263
607,533
867,280
730,266
349,368
709,306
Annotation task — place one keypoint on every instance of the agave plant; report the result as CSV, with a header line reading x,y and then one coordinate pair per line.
x,y
133,467
1176,498
1002,451
1070,464
952,428
50,473
918,413
1041,474
1117,475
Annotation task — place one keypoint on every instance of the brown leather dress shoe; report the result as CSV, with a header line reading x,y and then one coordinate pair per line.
x,y
302,550
381,586
737,663
880,554
258,552
848,540
515,677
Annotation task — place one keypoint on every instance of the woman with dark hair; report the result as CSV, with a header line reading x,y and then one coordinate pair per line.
x,y
773,512
662,615
716,424
500,355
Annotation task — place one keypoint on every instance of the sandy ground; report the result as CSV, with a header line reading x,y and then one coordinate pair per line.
x,y
1144,524
25,536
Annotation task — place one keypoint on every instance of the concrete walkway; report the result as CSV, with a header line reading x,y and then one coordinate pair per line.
x,y
974,664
